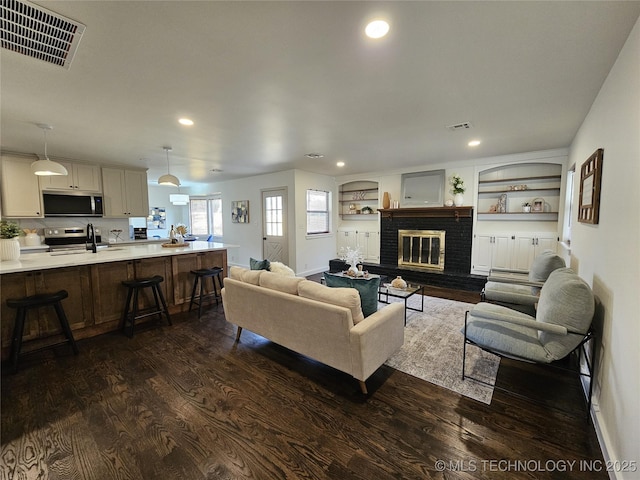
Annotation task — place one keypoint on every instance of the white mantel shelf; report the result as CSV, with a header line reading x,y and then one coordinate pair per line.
x,y
42,261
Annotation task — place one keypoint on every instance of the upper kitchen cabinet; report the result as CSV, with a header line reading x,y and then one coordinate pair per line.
x,y
82,177
20,190
125,193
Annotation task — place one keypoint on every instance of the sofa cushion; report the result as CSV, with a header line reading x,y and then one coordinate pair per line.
x,y
281,269
343,297
258,264
542,266
280,282
245,275
366,287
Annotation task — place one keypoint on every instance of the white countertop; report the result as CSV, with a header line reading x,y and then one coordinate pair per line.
x,y
116,253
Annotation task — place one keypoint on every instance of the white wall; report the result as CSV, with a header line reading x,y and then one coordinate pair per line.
x,y
607,255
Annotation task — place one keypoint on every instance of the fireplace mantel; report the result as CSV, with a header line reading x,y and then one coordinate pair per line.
x,y
430,212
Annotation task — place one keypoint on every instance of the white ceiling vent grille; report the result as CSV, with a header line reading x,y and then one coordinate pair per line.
x,y
460,126
39,33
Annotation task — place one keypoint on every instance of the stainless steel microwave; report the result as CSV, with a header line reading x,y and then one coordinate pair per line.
x,y
72,204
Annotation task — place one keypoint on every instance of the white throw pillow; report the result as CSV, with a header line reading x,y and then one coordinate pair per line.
x,y
281,269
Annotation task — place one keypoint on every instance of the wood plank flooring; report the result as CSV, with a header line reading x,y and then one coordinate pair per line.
x,y
186,402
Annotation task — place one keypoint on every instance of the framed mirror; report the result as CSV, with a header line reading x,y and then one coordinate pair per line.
x,y
590,179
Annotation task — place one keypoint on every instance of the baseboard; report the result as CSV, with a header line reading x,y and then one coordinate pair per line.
x,y
603,441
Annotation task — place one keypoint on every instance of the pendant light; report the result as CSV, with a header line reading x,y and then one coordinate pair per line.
x,y
46,166
168,179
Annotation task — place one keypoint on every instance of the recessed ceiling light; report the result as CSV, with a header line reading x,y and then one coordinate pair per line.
x,y
314,155
474,143
377,29
340,164
185,121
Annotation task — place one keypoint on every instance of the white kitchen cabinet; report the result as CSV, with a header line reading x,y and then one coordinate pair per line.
x,y
367,241
81,177
125,193
21,196
513,250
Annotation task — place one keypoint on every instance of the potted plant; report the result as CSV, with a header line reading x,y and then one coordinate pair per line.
x,y
9,246
526,207
458,189
367,210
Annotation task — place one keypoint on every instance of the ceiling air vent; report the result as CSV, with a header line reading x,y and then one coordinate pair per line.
x,y
39,33
460,126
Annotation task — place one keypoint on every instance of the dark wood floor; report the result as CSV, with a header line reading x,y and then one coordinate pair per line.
x,y
186,402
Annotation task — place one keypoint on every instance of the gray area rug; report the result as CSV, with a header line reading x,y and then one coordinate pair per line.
x,y
432,349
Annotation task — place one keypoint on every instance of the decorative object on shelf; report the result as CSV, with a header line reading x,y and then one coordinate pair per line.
x,y
448,203
396,204
240,211
386,200
352,208
399,282
9,245
526,207
458,189
538,205
367,210
590,179
359,195
502,203
493,208
351,257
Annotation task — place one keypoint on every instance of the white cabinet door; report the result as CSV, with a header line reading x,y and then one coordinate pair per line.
x,y
80,177
125,193
113,193
369,244
346,238
524,251
20,189
491,251
548,242
137,193
502,251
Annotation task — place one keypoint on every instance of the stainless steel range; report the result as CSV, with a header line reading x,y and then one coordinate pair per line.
x,y
62,239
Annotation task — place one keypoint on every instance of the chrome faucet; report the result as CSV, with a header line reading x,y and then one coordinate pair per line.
x,y
91,237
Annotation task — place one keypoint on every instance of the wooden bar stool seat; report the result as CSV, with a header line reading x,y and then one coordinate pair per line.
x,y
131,309
37,301
200,276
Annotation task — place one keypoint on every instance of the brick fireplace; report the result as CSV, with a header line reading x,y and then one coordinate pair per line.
x,y
456,222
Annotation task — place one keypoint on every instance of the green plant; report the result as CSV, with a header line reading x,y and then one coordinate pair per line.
x,y
9,229
457,183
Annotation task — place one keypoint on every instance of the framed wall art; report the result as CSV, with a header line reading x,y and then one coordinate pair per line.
x,y
590,179
240,211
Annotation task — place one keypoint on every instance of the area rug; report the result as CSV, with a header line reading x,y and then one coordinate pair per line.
x,y
432,349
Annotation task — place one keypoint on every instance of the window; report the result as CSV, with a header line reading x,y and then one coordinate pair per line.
x,y
206,216
317,212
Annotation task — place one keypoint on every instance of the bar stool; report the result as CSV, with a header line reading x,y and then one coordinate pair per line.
x,y
200,276
134,287
37,301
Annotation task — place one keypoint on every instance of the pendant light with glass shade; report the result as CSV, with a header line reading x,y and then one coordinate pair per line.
x,y
168,179
44,166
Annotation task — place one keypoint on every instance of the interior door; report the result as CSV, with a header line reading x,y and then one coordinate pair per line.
x,y
274,225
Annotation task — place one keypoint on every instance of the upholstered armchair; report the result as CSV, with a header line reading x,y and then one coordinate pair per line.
x,y
520,290
562,325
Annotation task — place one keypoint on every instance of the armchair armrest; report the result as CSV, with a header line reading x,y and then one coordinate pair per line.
x,y
521,319
514,281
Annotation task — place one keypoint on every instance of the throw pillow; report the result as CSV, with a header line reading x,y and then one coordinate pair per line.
x,y
259,264
280,282
343,297
281,269
367,288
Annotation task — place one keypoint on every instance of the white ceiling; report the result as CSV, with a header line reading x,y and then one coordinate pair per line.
x,y
268,82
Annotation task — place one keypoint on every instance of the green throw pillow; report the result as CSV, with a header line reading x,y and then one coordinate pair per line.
x,y
259,264
367,288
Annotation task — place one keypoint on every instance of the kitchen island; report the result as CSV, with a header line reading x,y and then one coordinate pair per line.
x,y
94,281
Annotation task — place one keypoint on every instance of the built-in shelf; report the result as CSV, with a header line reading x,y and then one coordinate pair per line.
x,y
366,193
510,216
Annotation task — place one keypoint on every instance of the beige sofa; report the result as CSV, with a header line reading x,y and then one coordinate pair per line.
x,y
314,320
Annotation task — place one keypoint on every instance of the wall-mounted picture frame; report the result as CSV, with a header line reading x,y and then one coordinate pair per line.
x,y
240,211
590,180
537,205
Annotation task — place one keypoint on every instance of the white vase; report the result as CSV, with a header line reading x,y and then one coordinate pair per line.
x,y
458,200
9,249
353,270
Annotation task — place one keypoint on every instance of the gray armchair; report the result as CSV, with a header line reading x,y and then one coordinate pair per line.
x,y
562,325
520,290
